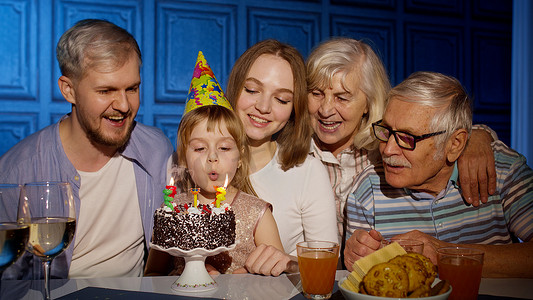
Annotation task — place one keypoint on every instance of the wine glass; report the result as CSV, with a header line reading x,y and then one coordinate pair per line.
x,y
52,224
13,233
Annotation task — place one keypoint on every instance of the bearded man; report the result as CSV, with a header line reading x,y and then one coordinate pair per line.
x,y
115,165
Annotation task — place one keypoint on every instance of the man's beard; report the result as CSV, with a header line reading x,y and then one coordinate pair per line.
x,y
97,138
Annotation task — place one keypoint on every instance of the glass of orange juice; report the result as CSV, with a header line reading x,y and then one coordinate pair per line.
x,y
318,263
462,267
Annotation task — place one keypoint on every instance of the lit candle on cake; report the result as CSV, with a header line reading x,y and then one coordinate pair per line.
x,y
169,192
195,192
221,193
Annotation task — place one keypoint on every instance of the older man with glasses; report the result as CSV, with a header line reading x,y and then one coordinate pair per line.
x,y
415,193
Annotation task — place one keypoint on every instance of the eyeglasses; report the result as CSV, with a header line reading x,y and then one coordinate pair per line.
x,y
403,139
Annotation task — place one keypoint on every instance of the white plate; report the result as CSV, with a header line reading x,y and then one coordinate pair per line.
x,y
349,295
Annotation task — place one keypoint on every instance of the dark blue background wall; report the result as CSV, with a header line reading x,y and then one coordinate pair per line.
x,y
470,40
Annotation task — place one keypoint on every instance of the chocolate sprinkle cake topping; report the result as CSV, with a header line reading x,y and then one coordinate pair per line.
x,y
187,231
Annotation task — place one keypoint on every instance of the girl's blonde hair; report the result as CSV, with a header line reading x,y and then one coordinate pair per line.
x,y
215,115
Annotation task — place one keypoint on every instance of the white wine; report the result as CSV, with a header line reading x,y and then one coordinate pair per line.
x,y
13,239
49,237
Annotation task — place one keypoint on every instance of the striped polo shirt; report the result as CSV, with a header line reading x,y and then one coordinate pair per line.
x,y
508,214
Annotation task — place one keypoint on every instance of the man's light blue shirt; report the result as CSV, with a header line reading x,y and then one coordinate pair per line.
x,y
40,157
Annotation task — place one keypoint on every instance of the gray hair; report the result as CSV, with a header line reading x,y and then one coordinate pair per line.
x,y
344,55
442,92
94,43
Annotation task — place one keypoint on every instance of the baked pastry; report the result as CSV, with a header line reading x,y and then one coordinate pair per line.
x,y
362,289
431,269
415,270
386,280
380,274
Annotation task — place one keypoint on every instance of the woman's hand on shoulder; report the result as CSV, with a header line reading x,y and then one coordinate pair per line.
x,y
268,260
477,172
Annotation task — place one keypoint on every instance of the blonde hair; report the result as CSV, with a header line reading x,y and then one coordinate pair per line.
x,y
295,137
93,43
215,115
343,55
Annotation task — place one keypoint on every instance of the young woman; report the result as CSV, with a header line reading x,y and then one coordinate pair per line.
x,y
267,88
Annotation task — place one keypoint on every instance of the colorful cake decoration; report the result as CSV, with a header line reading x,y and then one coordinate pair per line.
x,y
221,193
169,192
204,89
195,192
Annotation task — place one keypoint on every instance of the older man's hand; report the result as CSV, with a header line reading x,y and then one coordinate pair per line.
x,y
268,260
431,244
359,245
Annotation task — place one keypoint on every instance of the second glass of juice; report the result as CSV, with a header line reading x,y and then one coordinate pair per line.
x,y
318,263
462,267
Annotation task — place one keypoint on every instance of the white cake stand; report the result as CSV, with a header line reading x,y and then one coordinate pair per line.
x,y
195,277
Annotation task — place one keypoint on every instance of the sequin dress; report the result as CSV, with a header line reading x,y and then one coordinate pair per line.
x,y
248,211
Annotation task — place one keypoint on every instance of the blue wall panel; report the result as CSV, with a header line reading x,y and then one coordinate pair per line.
x,y
298,28
16,126
169,125
366,3
491,80
470,40
18,61
428,51
182,31
494,9
378,33
437,7
488,48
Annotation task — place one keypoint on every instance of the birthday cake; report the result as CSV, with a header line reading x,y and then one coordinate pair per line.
x,y
188,227
180,223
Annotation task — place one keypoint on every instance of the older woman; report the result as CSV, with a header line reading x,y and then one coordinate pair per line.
x,y
347,86
267,88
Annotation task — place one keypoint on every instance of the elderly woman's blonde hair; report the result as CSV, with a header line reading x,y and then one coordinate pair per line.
x,y
345,55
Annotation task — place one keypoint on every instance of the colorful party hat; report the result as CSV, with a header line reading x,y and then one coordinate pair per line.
x,y
204,89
